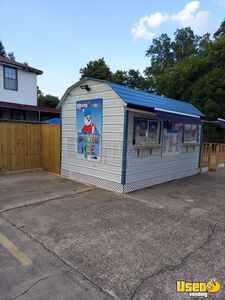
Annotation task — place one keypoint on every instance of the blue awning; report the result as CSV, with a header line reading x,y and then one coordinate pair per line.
x,y
221,122
165,116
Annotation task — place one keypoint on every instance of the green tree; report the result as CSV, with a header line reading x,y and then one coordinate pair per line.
x,y
46,100
119,77
196,72
161,58
96,69
100,70
160,52
134,79
39,92
9,55
204,42
185,43
220,32
2,49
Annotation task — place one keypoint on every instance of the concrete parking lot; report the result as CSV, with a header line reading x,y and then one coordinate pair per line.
x,y
80,242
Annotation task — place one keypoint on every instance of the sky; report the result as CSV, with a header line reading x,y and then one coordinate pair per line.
x,y
60,37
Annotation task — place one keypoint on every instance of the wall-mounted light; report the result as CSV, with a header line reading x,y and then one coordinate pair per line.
x,y
85,87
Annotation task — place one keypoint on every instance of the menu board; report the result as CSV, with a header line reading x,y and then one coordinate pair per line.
x,y
146,132
190,133
171,138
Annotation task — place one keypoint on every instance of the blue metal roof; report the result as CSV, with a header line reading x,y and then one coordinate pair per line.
x,y
145,100
148,100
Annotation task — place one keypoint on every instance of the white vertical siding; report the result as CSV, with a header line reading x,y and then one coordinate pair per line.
x,y
27,88
107,171
149,169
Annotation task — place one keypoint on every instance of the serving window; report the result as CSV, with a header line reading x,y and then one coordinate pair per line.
x,y
190,133
146,132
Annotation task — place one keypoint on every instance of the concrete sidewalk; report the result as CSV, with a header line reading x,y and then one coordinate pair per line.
x,y
21,188
133,246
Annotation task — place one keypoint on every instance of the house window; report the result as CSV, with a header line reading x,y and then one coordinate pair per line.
x,y
146,132
191,133
10,78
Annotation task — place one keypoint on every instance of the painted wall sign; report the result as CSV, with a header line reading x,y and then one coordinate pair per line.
x,y
89,128
171,138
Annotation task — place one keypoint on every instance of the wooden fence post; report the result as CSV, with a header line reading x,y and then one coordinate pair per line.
x,y
210,155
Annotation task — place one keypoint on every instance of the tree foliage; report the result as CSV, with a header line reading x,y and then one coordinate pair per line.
x,y
46,100
96,69
2,49
9,55
100,70
193,69
160,52
220,32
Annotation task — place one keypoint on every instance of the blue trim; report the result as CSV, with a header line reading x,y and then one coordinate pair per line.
x,y
165,116
221,123
124,155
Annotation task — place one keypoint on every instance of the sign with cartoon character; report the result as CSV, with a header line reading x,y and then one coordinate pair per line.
x,y
89,128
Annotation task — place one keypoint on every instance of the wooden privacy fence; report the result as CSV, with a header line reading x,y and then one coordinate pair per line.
x,y
29,145
212,155
51,147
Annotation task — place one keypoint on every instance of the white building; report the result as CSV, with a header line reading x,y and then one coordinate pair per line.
x,y
18,93
122,139
18,82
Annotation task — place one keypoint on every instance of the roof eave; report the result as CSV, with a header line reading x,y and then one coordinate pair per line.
x,y
67,92
17,65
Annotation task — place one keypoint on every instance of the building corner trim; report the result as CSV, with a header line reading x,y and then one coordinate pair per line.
x,y
124,153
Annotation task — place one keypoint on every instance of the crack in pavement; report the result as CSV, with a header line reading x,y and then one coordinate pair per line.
x,y
173,267
41,279
60,258
47,200
206,212
149,202
213,209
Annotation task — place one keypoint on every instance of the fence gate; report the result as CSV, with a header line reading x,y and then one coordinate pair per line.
x,y
29,145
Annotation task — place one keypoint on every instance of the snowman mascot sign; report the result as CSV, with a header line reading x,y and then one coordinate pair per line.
x,y
89,124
